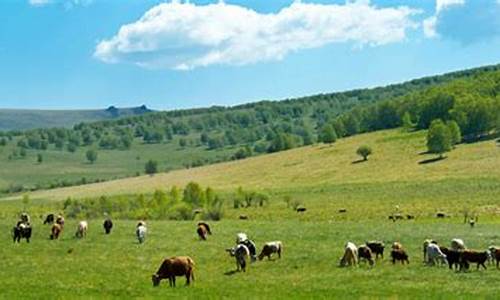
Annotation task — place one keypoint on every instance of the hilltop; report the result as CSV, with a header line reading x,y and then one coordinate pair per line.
x,y
22,119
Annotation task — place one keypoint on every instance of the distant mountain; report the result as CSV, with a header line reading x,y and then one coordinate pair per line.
x,y
20,119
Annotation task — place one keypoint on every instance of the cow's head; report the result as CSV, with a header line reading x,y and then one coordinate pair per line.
x,y
156,279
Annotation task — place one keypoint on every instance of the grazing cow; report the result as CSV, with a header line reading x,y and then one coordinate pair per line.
x,y
457,244
49,219
399,255
81,231
434,254
440,215
471,256
365,253
108,225
55,231
240,253
426,243
243,217
21,231
202,230
301,209
270,248
495,254
377,248
342,211
452,256
350,257
172,267
140,232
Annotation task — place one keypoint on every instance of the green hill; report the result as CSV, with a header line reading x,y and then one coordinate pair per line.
x,y
22,119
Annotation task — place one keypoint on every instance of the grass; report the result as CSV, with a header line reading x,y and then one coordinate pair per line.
x,y
116,266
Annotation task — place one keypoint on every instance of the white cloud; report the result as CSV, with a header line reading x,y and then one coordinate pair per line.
x,y
39,2
429,24
184,36
68,4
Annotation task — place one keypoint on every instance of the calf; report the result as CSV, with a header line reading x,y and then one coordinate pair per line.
x,y
21,231
399,255
81,230
364,252
172,267
471,256
270,248
108,225
350,257
452,256
240,253
377,248
140,232
55,231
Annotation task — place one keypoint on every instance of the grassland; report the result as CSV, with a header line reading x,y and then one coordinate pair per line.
x,y
324,179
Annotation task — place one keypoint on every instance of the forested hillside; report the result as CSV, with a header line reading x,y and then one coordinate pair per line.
x,y
190,138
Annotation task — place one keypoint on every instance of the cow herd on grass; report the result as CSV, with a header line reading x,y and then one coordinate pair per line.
x,y
457,256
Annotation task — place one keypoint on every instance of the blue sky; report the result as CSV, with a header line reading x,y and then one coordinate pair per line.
x,y
57,54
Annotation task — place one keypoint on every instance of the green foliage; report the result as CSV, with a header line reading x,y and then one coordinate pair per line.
x,y
438,138
364,151
455,134
243,153
91,155
39,158
328,134
151,167
408,124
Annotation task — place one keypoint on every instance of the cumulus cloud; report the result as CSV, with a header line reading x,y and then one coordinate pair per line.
x,y
464,21
184,36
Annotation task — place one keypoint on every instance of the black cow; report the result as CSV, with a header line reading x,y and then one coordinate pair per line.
x,y
49,219
452,256
108,225
20,231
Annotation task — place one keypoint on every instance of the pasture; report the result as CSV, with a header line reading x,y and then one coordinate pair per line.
x,y
116,266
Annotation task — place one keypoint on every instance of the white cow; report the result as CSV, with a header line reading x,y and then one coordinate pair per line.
x,y
81,231
141,233
350,257
435,255
240,253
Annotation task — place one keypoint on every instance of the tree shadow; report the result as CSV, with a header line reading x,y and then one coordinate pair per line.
x,y
431,160
358,161
230,273
424,153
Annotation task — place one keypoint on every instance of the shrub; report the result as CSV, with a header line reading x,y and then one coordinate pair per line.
x,y
364,151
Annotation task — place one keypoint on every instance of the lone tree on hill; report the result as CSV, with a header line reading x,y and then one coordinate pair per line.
x,y
364,151
151,167
91,155
439,138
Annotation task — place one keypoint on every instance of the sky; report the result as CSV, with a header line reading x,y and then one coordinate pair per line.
x,y
81,54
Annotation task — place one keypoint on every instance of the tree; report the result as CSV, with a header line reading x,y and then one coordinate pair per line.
x,y
407,122
328,134
39,158
438,138
91,155
364,151
455,133
151,167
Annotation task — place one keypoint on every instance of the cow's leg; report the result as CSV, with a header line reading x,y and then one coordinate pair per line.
x,y
188,278
484,266
279,253
173,279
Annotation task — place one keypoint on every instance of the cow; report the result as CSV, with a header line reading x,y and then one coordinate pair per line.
x,y
21,231
81,230
377,248
457,244
425,244
399,255
240,253
452,256
365,253
242,238
172,267
55,231
350,257
49,219
495,254
203,229
271,248
434,254
140,232
108,225
472,256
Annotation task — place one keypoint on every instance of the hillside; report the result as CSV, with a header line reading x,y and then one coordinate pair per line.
x,y
22,119
316,173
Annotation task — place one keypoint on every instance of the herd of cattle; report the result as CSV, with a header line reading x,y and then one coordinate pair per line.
x,y
243,251
457,256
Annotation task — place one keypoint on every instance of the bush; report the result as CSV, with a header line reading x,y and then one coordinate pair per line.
x,y
151,167
364,151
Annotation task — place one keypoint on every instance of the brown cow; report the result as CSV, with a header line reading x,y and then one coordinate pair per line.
x,y
172,267
270,248
203,229
366,253
55,231
471,256
399,254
